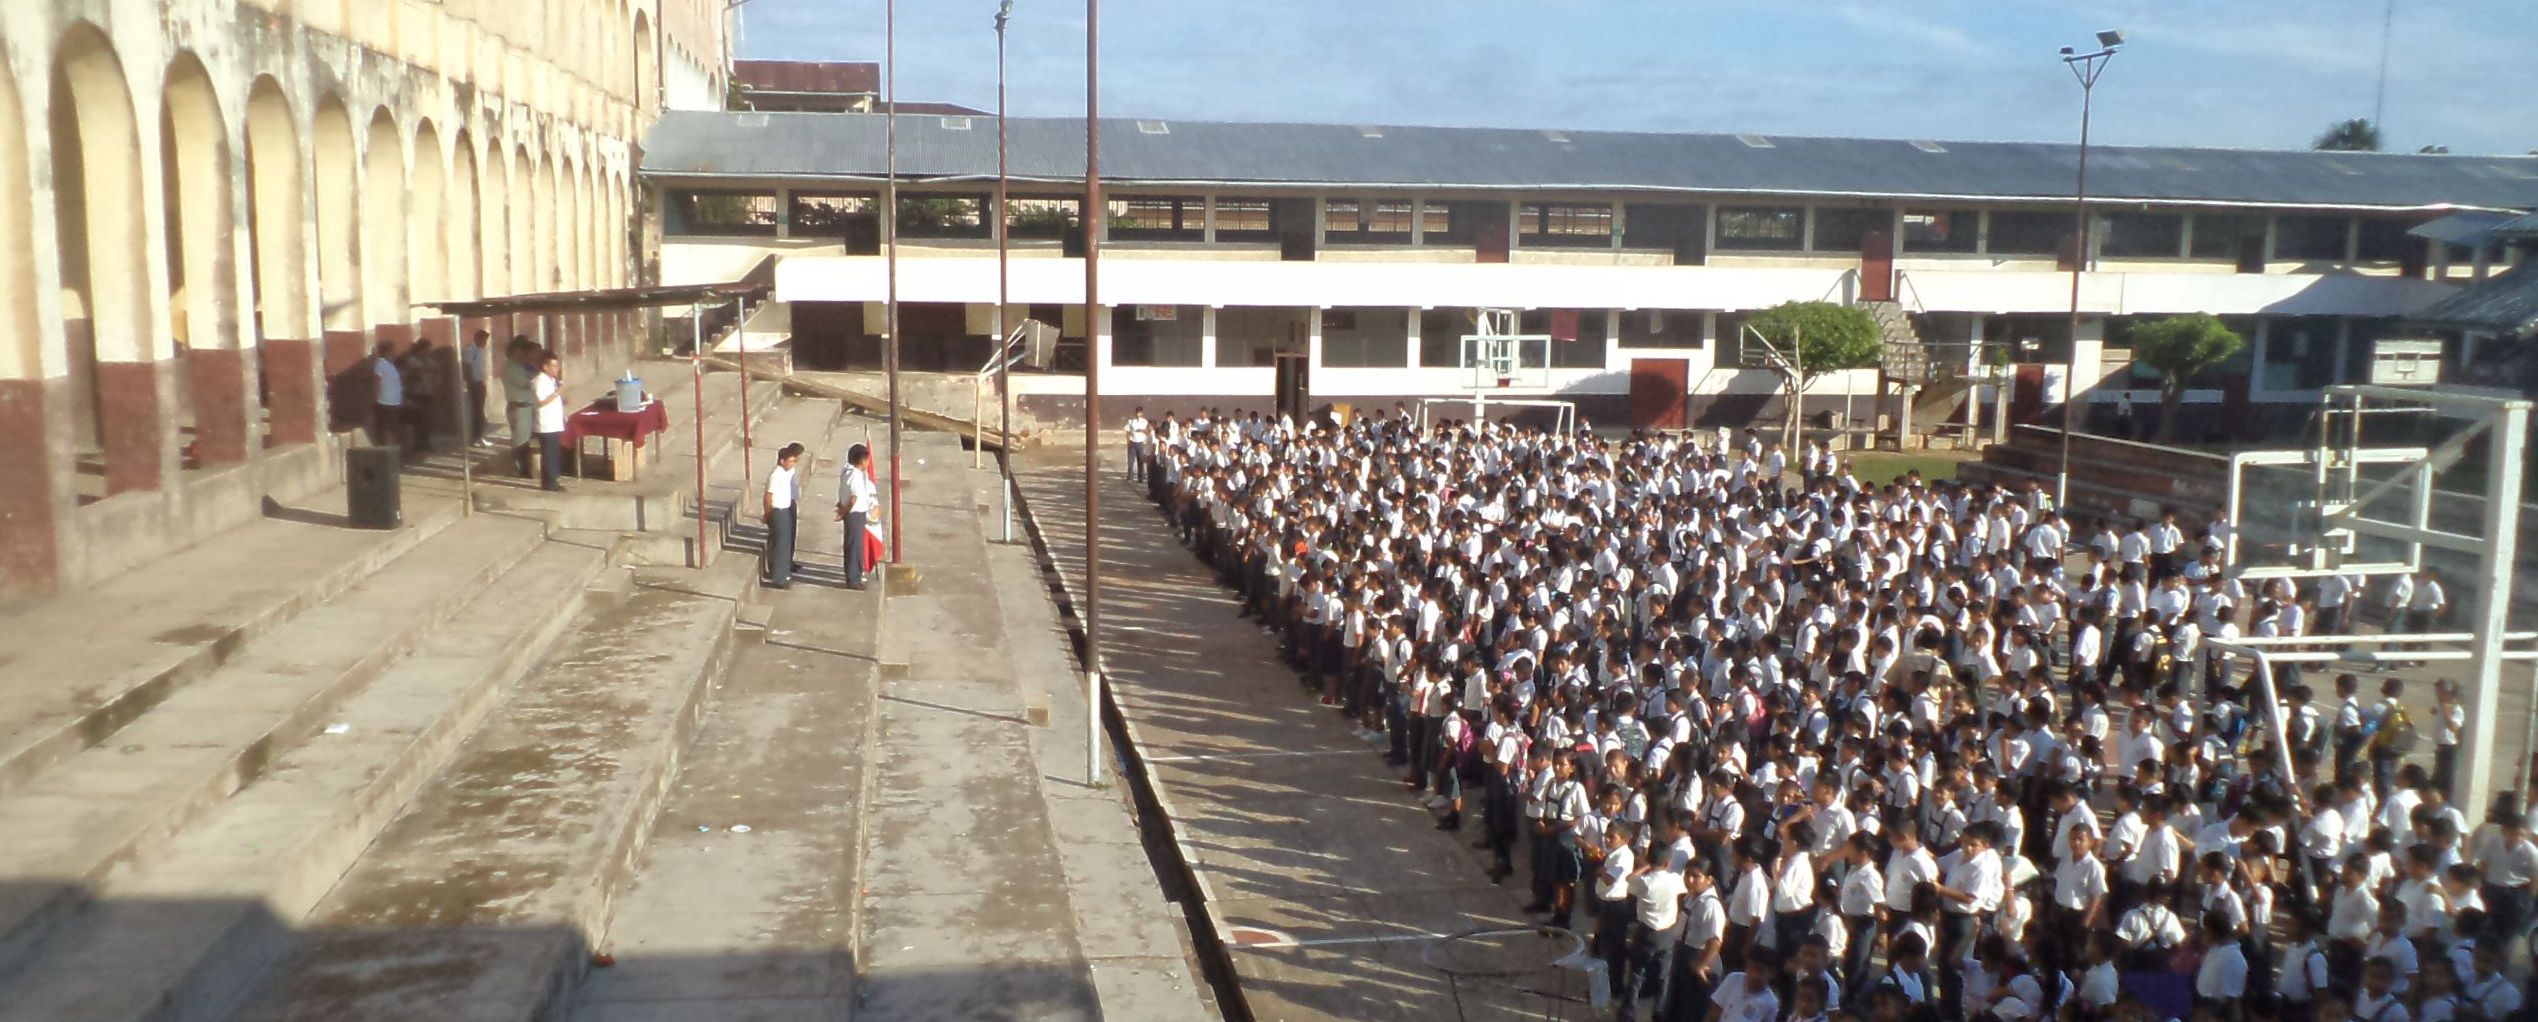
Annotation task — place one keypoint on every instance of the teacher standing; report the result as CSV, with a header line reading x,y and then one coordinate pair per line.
x,y
857,498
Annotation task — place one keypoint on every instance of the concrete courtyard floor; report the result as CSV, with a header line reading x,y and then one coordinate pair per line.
x,y
1324,877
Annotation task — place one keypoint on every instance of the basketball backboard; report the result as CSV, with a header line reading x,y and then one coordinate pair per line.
x,y
1507,364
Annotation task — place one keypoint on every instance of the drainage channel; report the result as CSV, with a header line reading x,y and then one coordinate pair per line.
x,y
1173,869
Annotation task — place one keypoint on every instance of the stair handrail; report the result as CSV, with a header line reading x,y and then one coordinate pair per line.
x,y
1903,284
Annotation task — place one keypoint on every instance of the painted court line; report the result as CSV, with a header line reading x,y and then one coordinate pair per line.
x,y
1201,756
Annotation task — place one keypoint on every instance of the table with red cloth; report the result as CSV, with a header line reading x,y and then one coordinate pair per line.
x,y
628,434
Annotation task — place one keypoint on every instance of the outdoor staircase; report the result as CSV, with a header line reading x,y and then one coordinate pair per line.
x,y
309,772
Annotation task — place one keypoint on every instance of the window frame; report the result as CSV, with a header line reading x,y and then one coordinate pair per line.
x,y
1535,222
684,203
1724,241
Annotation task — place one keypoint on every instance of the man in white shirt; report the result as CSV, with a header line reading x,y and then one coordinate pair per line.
x,y
1656,894
784,491
1140,435
857,499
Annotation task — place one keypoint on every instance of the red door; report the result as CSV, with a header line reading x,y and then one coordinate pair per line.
x,y
2026,400
1658,387
1877,267
1489,240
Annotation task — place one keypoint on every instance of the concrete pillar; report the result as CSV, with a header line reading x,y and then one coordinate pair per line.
x,y
1207,337
30,558
129,413
219,380
291,390
2088,355
347,393
442,331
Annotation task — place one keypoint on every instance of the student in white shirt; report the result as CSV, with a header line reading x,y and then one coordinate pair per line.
x,y
2223,974
1140,436
857,501
547,392
784,491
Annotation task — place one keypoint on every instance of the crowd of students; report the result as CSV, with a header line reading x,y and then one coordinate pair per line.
x,y
1785,745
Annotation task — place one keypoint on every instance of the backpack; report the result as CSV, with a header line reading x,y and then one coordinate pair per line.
x,y
1634,738
2397,735
1467,753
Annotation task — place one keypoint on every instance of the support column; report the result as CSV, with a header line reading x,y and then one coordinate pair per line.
x,y
2481,769
30,555
442,331
2088,357
348,393
1414,333
1207,337
128,415
290,390
219,380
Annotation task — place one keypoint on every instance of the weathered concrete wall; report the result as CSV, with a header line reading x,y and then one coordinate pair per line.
x,y
196,195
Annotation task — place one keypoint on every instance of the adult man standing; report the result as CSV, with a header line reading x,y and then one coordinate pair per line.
x,y
1140,439
471,371
519,397
857,497
784,493
387,398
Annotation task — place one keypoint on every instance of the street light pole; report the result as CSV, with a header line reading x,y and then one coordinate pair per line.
x,y
2085,67
1093,216
890,217
1004,229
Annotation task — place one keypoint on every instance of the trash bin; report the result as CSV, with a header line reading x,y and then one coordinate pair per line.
x,y
373,495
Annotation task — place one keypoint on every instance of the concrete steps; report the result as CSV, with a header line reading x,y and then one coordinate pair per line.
x,y
483,897
65,686
182,937
119,805
663,499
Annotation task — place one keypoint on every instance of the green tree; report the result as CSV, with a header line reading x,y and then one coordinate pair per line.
x,y
1824,337
2181,348
2358,135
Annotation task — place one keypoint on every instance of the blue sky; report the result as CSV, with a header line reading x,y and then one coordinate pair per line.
x,y
2240,73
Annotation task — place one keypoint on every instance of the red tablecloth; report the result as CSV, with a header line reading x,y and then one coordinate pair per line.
x,y
603,419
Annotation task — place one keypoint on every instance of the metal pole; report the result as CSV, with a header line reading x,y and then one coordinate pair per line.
x,y
1004,227
466,447
1093,216
740,335
890,216
696,364
2086,70
2504,454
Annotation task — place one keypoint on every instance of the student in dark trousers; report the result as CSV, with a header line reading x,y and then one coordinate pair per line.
x,y
857,499
783,499
472,372
549,390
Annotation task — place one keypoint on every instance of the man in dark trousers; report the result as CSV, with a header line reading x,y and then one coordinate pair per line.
x,y
472,372
784,493
857,499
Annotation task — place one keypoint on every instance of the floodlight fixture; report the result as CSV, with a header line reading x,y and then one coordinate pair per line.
x,y
2110,38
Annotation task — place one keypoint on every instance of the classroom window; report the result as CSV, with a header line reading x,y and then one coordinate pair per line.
x,y
1761,228
1846,230
943,216
1436,221
2219,235
1565,225
1941,230
2311,237
1158,218
1661,328
1365,338
1367,221
828,215
2142,235
1586,351
1441,337
2030,232
1155,335
1042,219
724,213
1243,220
2384,240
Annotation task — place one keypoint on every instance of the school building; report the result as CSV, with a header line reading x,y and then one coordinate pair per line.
x,y
1242,262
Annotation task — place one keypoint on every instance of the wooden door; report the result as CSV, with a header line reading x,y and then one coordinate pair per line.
x,y
1877,267
1658,388
2026,400
1489,238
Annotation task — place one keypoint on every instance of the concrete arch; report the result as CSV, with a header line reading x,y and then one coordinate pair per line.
x,y
383,217
427,260
493,232
542,212
21,338
278,229
647,69
522,216
201,266
466,272
102,237
337,165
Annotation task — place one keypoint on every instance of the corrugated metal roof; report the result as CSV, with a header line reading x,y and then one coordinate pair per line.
x,y
850,146
2466,227
847,77
2523,226
2506,302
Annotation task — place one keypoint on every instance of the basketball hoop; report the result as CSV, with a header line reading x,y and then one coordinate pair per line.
x,y
1497,971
